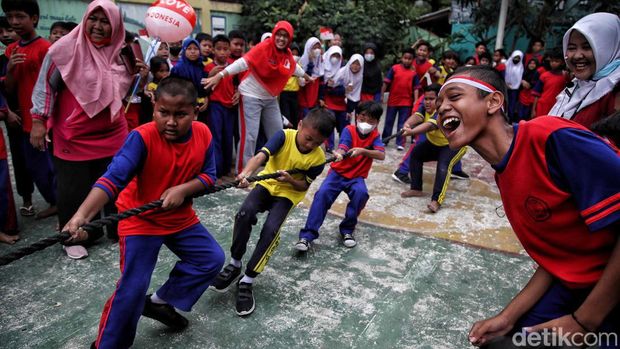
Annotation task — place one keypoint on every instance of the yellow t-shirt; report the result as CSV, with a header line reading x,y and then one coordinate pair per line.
x,y
435,136
207,62
292,85
444,74
284,155
152,86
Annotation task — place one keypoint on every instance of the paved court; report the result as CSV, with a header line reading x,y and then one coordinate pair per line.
x,y
415,280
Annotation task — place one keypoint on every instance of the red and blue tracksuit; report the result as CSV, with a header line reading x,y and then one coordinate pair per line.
x,y
141,171
348,176
560,189
221,115
403,82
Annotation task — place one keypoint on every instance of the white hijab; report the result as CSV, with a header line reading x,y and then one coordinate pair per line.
x,y
307,57
514,71
602,30
330,69
265,36
346,77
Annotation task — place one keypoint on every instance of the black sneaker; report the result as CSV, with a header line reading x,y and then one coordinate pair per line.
x,y
245,300
164,313
401,177
348,240
92,345
302,245
225,278
459,175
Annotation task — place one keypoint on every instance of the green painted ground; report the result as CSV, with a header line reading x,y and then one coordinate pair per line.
x,y
394,290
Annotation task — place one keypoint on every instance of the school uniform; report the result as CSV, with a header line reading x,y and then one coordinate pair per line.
x,y
548,87
146,152
563,211
37,163
403,81
347,175
434,148
276,197
221,114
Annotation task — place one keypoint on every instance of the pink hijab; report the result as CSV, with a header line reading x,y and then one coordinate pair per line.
x,y
95,76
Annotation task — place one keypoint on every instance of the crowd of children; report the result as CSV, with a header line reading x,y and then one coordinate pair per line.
x,y
205,100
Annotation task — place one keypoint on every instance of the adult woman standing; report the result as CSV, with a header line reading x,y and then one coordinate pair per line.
x,y
81,87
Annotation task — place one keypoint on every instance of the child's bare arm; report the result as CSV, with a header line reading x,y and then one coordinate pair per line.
x,y
534,107
254,163
371,153
413,120
422,128
298,184
92,205
175,196
483,331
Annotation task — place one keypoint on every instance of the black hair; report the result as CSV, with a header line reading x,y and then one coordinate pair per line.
x,y
486,55
490,76
4,23
450,55
409,51
501,52
129,36
480,43
55,25
556,54
294,46
423,43
220,38
468,58
155,63
609,127
175,86
200,37
31,7
373,109
434,87
236,34
321,120
532,42
69,26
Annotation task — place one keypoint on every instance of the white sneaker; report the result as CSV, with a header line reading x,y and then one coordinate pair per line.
x,y
302,245
76,251
400,148
348,240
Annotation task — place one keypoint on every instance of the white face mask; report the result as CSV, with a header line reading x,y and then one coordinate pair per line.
x,y
334,60
316,52
369,57
365,128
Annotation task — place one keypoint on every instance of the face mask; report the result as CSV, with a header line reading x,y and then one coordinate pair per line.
x,y
296,58
365,128
316,52
334,60
175,50
369,57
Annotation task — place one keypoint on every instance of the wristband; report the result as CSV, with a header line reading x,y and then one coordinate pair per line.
x,y
579,323
221,74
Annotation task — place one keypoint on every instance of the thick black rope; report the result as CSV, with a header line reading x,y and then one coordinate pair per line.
x,y
114,218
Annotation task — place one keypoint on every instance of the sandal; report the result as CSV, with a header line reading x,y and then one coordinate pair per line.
x,y
26,211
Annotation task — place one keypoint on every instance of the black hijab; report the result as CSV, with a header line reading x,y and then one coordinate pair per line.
x,y
373,78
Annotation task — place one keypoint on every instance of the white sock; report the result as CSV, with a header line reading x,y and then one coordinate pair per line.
x,y
246,279
155,299
235,262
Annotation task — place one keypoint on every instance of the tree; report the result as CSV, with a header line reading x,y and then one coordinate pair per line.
x,y
534,19
380,21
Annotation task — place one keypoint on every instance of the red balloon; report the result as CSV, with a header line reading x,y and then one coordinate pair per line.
x,y
170,20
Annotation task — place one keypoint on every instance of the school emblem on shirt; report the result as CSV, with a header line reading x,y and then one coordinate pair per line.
x,y
287,64
537,209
